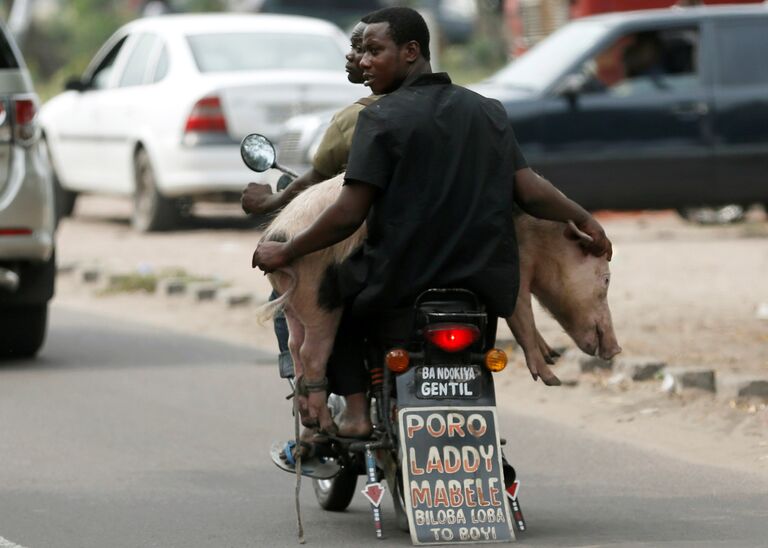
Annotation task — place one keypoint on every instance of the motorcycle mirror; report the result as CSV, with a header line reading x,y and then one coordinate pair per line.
x,y
257,152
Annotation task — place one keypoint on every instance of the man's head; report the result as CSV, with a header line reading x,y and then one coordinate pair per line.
x,y
395,44
355,54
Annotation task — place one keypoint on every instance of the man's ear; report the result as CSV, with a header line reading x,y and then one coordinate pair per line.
x,y
411,51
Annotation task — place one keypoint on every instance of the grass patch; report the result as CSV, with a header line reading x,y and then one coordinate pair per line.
x,y
146,282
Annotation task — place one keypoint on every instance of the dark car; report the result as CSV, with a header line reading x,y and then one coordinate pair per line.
x,y
652,109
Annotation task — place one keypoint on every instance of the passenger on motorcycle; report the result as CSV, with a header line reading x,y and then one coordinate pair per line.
x,y
434,170
329,160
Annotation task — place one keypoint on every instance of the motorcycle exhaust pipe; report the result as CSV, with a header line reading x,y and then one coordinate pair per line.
x,y
9,280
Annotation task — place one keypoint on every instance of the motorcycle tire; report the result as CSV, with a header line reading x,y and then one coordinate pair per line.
x,y
336,494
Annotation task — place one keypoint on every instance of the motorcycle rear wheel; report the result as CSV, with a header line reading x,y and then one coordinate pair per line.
x,y
336,494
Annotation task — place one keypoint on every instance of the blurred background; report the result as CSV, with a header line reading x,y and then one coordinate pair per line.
x,y
59,37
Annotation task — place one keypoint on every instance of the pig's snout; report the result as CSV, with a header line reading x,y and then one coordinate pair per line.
x,y
608,344
598,342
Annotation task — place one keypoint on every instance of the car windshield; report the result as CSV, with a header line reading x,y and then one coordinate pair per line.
x,y
264,51
539,67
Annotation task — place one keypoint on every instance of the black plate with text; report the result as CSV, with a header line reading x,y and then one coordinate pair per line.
x,y
455,382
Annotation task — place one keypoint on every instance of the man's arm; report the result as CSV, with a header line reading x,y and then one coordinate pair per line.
x,y
337,222
539,198
258,198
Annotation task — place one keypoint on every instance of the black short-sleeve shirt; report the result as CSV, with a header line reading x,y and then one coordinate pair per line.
x,y
444,159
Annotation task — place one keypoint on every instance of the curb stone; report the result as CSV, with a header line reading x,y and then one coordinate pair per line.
x,y
233,297
171,287
640,368
736,386
90,275
678,378
203,291
591,364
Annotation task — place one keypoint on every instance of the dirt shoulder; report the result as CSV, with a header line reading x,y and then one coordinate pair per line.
x,y
685,294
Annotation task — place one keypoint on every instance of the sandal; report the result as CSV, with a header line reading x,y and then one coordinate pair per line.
x,y
312,466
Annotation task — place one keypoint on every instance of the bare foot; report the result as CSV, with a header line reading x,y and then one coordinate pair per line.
x,y
355,420
354,426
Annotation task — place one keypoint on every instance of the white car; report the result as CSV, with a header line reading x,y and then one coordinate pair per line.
x,y
160,111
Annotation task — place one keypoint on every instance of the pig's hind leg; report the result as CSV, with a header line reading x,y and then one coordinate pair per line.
x,y
523,327
315,351
295,341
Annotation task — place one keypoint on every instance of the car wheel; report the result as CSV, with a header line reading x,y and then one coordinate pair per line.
x,y
731,213
151,210
64,200
22,329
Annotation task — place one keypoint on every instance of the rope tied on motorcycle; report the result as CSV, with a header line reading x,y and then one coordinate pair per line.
x,y
296,413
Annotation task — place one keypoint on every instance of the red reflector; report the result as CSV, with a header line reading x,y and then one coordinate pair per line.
x,y
452,337
207,115
25,111
15,231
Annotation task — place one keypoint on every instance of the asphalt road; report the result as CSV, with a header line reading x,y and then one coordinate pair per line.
x,y
121,435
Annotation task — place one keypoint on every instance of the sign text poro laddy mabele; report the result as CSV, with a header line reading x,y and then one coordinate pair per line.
x,y
452,478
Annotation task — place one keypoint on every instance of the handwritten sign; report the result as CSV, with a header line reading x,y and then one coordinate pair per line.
x,y
452,477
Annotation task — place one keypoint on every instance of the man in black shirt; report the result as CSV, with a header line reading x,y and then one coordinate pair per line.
x,y
434,169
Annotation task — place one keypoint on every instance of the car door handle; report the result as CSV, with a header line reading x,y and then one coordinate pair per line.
x,y
690,110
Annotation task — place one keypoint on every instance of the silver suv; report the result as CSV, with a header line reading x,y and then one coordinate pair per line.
x,y
27,220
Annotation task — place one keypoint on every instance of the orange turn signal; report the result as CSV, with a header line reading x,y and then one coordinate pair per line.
x,y
495,360
397,360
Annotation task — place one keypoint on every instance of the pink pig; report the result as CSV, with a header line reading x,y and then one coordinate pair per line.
x,y
572,285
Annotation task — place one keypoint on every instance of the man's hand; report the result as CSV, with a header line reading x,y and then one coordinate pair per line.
x,y
269,256
591,237
257,198
318,413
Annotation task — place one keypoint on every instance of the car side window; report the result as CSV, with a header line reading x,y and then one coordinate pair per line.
x,y
100,77
162,65
646,62
7,57
741,53
143,52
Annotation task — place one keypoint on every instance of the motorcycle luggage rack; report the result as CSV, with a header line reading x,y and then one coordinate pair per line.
x,y
449,305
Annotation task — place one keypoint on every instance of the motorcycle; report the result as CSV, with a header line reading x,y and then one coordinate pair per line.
x,y
435,443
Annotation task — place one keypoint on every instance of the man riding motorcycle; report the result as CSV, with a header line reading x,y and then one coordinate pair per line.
x,y
429,170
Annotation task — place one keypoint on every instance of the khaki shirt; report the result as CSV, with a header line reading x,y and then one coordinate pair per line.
x,y
331,156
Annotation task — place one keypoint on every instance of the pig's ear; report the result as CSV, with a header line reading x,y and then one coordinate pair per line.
x,y
572,232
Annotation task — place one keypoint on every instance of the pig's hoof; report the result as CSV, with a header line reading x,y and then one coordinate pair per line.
x,y
551,380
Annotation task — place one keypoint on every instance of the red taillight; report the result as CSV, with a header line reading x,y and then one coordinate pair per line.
x,y
207,116
15,231
25,111
452,337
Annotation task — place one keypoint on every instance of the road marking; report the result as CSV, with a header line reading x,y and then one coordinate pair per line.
x,y
5,543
